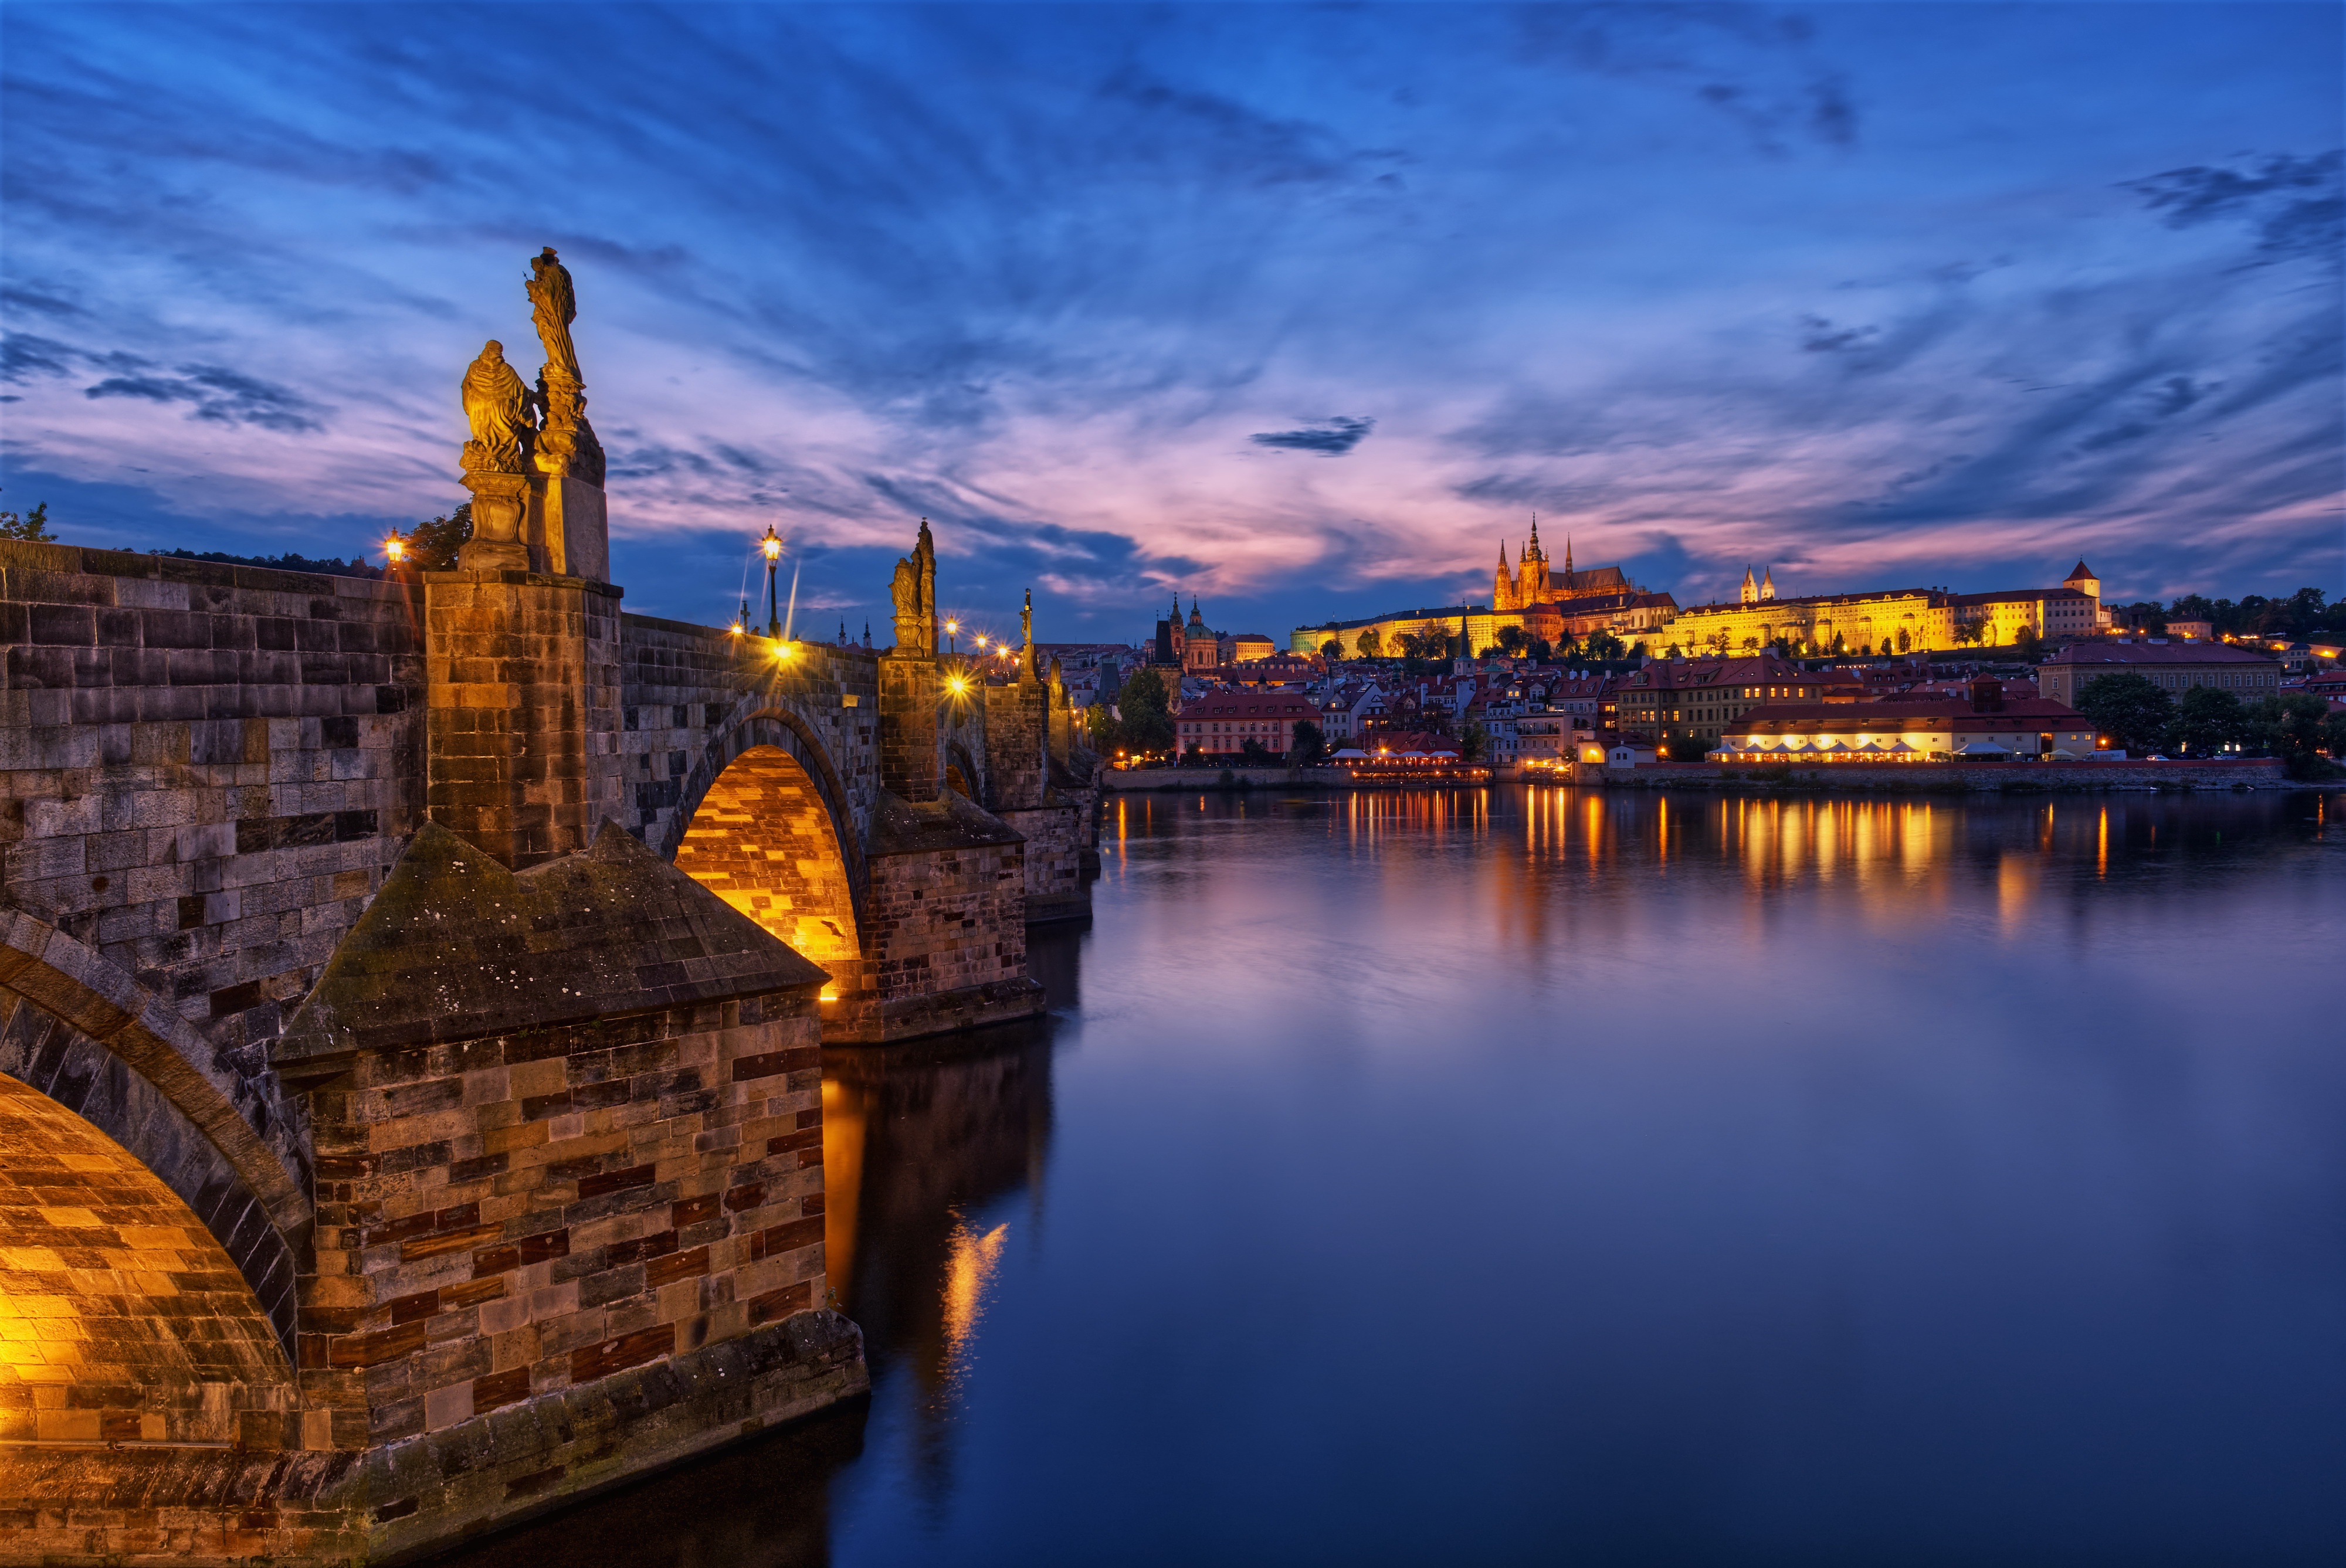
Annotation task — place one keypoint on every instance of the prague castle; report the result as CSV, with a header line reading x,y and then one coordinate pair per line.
x,y
1885,621
1543,605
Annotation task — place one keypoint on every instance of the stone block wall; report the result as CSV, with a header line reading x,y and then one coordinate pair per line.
x,y
908,727
503,1219
1015,737
524,715
686,689
1055,839
207,769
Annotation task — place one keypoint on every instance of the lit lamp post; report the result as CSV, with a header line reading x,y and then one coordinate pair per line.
x,y
953,636
394,550
772,548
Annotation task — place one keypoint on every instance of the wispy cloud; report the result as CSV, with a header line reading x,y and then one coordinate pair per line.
x,y
1327,437
1854,290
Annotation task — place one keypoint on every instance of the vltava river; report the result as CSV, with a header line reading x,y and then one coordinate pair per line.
x,y
1534,1175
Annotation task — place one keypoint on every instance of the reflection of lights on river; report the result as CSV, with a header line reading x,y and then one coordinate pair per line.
x,y
970,1262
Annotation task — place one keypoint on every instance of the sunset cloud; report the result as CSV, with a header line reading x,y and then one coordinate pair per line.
x,y
1302,311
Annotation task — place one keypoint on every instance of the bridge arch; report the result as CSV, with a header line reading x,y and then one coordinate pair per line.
x,y
122,1318
769,834
78,1031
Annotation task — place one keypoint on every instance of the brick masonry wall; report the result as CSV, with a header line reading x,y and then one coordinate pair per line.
x,y
504,1219
523,695
207,769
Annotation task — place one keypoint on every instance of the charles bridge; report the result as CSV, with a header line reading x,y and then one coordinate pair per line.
x,y
411,994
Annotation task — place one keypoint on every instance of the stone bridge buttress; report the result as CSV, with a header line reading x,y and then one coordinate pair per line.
x,y
365,928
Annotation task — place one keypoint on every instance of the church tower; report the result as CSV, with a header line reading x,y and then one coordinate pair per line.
x,y
1751,588
2084,582
1502,586
1768,583
1531,587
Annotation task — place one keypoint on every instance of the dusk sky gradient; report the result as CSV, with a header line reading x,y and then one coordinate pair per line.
x,y
1300,310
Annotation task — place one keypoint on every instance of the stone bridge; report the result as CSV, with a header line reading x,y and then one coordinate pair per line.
x,y
401,1138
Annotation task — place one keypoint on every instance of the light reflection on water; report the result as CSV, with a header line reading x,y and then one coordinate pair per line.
x,y
1540,1174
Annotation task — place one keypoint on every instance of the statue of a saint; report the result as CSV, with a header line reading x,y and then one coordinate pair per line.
x,y
554,306
911,627
497,405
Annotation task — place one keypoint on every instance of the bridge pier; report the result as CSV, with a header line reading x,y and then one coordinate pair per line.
x,y
359,969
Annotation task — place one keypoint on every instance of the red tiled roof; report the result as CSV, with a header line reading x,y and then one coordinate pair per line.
x,y
2155,653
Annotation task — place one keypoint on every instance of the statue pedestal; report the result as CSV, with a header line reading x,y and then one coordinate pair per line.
x,y
497,502
569,529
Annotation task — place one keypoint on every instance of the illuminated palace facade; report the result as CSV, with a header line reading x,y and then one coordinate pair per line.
x,y
1543,604
1894,620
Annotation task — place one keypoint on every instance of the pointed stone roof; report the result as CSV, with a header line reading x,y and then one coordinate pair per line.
x,y
456,947
2082,571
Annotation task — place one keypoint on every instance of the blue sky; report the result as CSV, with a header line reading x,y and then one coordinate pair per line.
x,y
1302,310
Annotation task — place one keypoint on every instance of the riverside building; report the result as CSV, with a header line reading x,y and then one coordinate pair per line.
x,y
2177,666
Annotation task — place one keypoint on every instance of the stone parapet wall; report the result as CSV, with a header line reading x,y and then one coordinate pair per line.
x,y
207,769
504,1218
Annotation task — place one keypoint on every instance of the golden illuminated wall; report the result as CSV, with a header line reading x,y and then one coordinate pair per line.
x,y
121,1319
763,842
1864,621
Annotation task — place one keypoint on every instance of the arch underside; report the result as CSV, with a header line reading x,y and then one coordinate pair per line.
x,y
763,840
98,1088
122,1320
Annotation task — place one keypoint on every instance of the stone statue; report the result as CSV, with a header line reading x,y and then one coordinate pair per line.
x,y
554,306
912,628
497,405
1026,671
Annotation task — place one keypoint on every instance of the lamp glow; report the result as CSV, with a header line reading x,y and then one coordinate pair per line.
x,y
395,549
958,685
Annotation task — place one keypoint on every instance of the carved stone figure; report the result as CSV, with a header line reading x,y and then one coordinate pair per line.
x,y
554,306
497,404
912,628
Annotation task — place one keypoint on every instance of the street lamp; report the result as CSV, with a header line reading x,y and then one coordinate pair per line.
x,y
953,631
772,549
394,549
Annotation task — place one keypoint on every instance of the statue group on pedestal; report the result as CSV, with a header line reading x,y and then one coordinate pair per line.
x,y
518,431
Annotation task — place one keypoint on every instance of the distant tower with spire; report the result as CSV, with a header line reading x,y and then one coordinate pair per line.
x,y
1751,588
1768,583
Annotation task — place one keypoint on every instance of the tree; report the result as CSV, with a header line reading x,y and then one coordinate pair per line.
x,y
1966,635
33,528
1687,747
1603,646
1099,728
2292,728
432,546
1146,725
1750,645
1435,645
1905,640
1411,644
1370,643
1333,647
1253,753
1512,640
2028,644
1718,643
1196,758
2131,709
2209,719
1311,745
1537,649
2333,736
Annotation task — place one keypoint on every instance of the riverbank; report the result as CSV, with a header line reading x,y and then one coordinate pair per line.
x,y
1885,779
1185,781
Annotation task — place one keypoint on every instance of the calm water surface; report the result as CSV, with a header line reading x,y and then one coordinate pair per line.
x,y
1541,1175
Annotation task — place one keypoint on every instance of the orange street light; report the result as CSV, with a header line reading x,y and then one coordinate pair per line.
x,y
395,549
958,683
